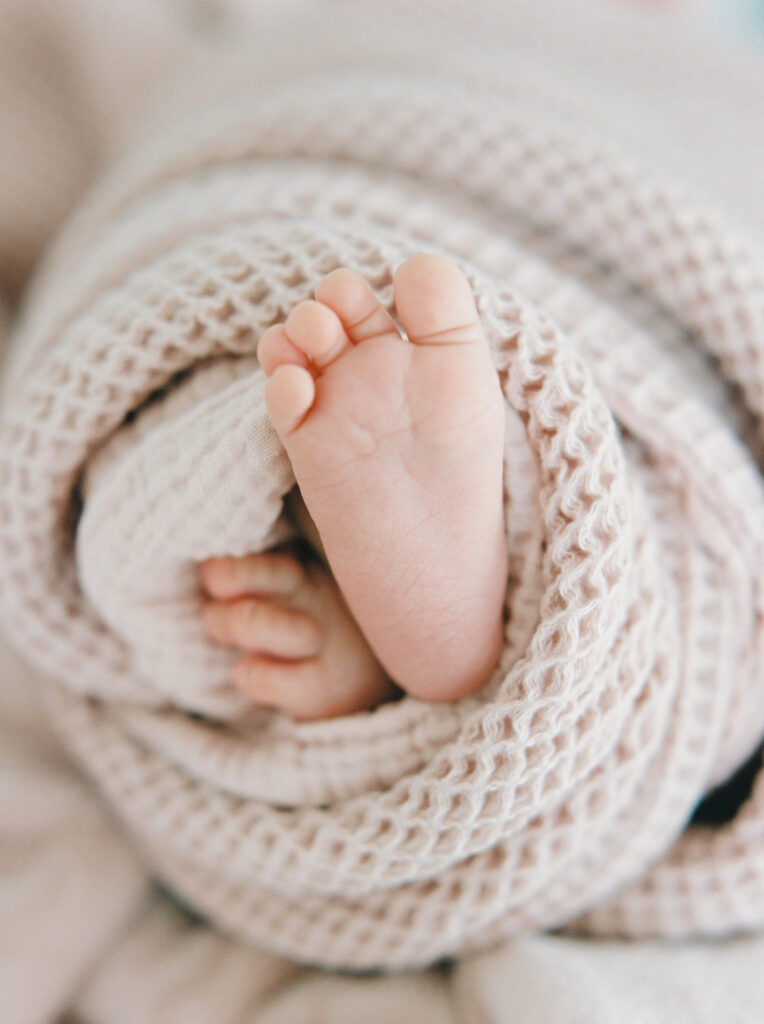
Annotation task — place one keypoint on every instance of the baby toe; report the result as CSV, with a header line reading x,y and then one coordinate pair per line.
x,y
435,303
351,297
262,573
262,626
317,331
289,395
275,349
293,687
304,690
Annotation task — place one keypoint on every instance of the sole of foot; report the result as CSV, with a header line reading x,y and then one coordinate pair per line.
x,y
396,441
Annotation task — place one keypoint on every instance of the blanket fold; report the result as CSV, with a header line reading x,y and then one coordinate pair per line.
x,y
627,326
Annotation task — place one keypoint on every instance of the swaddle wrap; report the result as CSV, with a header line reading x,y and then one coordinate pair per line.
x,y
135,444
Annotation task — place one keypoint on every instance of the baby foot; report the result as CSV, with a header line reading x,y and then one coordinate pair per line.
x,y
305,653
397,446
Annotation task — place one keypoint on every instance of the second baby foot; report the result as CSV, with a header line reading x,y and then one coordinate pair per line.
x,y
302,650
397,446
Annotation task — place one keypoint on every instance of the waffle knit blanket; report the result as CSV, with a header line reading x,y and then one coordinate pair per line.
x,y
626,320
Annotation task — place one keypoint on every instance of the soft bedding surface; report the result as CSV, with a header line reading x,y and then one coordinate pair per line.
x,y
625,317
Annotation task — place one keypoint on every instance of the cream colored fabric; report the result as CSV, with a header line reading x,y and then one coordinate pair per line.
x,y
628,685
554,980
59,855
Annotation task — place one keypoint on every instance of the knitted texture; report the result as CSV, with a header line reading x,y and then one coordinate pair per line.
x,y
135,443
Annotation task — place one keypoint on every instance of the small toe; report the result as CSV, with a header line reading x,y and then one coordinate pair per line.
x,y
293,687
275,349
435,303
351,297
266,573
317,331
258,625
303,689
289,394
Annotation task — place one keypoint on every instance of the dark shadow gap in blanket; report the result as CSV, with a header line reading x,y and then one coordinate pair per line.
x,y
723,803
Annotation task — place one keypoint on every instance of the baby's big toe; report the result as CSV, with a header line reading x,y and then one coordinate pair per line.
x,y
434,302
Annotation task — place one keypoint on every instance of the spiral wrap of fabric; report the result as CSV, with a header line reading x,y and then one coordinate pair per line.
x,y
627,328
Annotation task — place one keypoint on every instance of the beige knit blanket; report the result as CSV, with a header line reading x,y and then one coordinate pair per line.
x,y
627,326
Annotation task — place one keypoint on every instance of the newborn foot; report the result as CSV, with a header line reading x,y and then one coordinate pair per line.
x,y
397,444
306,655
